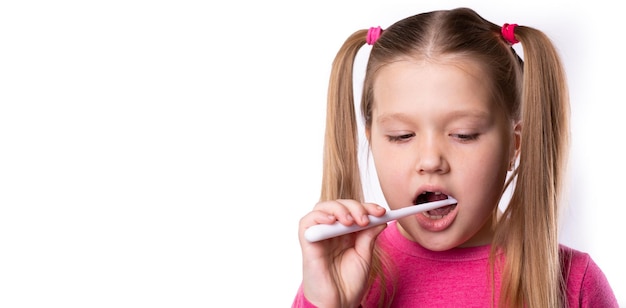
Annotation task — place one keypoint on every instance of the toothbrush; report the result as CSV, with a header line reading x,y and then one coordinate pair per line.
x,y
326,231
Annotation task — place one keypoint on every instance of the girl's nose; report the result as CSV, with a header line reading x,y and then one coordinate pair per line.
x,y
431,158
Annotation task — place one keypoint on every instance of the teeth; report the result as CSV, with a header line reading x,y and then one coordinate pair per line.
x,y
436,193
433,217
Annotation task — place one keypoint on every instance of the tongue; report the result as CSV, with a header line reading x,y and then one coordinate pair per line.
x,y
442,211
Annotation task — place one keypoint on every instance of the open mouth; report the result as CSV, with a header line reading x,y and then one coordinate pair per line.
x,y
437,213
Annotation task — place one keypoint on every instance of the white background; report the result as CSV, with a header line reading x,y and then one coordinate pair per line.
x,y
161,153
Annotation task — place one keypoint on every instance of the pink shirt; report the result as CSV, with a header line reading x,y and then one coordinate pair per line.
x,y
459,277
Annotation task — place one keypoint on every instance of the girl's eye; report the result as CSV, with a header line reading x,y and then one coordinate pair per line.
x,y
465,137
400,138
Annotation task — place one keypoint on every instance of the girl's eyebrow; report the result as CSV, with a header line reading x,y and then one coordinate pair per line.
x,y
452,115
476,114
394,117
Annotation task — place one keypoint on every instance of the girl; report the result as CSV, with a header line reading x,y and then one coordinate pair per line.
x,y
449,110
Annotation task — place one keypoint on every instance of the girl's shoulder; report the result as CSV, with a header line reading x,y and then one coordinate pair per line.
x,y
569,254
587,285
576,265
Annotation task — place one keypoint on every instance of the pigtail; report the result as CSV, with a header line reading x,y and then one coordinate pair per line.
x,y
532,275
341,177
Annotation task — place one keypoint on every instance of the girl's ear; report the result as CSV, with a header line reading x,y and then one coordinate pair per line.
x,y
516,143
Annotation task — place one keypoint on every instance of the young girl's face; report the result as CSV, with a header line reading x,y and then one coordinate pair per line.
x,y
434,132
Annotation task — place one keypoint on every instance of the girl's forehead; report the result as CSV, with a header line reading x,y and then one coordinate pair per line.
x,y
426,79
466,64
431,88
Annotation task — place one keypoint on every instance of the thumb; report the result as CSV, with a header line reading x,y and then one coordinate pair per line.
x,y
365,241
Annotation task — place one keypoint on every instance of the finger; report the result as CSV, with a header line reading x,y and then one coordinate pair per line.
x,y
346,211
360,211
314,218
374,209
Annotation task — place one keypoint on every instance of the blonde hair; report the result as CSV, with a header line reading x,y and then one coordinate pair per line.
x,y
532,91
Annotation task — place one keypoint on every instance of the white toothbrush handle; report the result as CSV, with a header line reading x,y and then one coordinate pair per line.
x,y
325,231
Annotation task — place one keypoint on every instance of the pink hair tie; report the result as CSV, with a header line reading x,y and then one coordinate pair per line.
x,y
373,34
508,32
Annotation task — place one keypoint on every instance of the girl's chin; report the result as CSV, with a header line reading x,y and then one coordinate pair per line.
x,y
434,242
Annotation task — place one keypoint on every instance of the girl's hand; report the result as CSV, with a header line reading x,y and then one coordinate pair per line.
x,y
335,270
